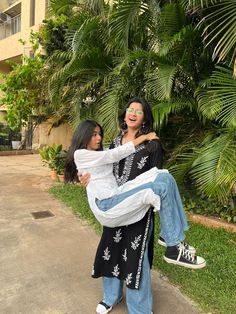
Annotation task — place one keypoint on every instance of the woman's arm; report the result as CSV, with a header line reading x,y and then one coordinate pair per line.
x,y
88,158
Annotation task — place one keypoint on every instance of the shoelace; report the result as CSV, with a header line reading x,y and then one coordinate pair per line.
x,y
185,253
185,245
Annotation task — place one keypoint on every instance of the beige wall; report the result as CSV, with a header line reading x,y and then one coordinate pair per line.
x,y
60,135
6,3
10,46
2,117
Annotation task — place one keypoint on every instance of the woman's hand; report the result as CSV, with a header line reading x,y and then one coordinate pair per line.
x,y
84,179
151,136
145,137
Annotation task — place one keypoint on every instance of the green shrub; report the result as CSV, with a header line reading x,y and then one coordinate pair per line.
x,y
54,157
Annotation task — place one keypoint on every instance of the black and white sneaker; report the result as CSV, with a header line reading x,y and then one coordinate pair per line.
x,y
178,255
188,247
103,308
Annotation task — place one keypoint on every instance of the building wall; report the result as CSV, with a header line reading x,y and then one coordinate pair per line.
x,y
10,46
2,117
44,136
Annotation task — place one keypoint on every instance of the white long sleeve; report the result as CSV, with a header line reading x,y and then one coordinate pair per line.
x,y
85,158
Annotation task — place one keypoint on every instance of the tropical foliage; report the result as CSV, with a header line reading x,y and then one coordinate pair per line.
x,y
20,92
25,91
179,55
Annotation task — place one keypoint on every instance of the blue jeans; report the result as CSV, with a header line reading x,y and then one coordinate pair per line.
x,y
139,301
172,217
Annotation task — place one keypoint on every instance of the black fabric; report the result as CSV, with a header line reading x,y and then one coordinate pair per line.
x,y
121,249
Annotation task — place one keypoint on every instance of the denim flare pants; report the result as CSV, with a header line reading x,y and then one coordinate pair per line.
x,y
172,217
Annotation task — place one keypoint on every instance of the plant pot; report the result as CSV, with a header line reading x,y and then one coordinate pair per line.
x,y
16,144
54,175
61,177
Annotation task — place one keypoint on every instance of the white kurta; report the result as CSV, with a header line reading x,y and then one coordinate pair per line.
x,y
103,185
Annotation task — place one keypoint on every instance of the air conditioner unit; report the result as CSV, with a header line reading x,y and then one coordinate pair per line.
x,y
3,17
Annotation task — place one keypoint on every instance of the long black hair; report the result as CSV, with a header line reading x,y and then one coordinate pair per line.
x,y
80,140
148,123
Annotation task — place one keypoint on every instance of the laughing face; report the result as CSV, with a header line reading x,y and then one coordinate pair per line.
x,y
134,116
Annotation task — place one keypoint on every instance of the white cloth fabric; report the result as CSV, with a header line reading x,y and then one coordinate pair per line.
x,y
103,185
100,165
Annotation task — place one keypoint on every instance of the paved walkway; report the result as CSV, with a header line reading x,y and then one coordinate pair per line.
x,y
45,264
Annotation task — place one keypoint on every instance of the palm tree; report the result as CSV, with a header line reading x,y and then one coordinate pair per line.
x,y
212,163
155,50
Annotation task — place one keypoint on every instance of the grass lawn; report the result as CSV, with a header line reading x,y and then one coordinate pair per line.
x,y
213,288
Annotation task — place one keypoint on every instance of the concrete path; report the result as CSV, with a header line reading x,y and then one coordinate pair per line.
x,y
45,264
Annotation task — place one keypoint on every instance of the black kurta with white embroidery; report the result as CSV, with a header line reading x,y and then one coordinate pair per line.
x,y
121,249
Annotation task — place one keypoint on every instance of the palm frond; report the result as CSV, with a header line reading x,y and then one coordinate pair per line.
x,y
197,4
159,82
210,163
187,155
80,37
173,19
109,108
217,100
176,45
219,29
125,14
162,109
214,170
96,7
61,6
60,57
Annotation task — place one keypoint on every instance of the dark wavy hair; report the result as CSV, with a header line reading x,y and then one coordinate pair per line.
x,y
80,140
148,116
148,120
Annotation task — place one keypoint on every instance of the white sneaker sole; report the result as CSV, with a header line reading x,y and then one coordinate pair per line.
x,y
105,311
192,266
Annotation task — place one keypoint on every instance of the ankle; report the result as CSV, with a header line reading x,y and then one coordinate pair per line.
x,y
172,249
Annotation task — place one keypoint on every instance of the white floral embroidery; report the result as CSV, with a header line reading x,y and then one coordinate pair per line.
x,y
142,162
140,263
106,255
116,271
128,279
125,255
118,236
128,163
135,244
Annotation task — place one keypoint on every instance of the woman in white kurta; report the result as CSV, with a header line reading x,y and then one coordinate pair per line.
x,y
99,163
116,210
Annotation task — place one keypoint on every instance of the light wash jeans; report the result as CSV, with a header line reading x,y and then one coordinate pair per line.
x,y
172,217
139,301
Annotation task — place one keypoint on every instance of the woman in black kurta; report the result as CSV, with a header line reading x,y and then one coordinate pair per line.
x,y
122,251
125,246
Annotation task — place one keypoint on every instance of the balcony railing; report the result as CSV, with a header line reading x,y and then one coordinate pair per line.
x,y
10,27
